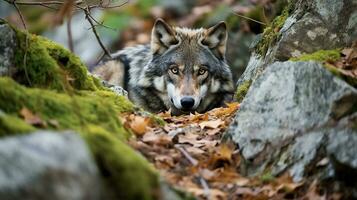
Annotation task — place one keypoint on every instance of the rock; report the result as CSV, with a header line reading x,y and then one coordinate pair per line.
x,y
310,26
342,152
238,63
115,88
47,165
8,45
285,119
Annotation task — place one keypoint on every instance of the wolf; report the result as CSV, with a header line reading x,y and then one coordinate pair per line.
x,y
183,70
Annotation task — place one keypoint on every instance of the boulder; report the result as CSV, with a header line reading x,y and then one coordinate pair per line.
x,y
304,27
47,165
8,45
294,115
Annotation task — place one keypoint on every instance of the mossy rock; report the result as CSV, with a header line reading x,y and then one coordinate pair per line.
x,y
325,57
12,124
94,114
242,90
272,32
128,174
55,86
320,56
46,64
70,111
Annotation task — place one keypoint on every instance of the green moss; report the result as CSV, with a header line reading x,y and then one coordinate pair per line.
x,y
49,65
12,124
325,57
242,90
63,92
71,112
271,33
125,171
335,71
267,177
321,56
94,114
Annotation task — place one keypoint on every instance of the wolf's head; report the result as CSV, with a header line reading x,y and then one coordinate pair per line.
x,y
188,67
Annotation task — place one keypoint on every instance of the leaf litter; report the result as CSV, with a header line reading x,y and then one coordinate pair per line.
x,y
190,154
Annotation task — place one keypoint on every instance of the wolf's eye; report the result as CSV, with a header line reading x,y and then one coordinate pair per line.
x,y
202,71
174,70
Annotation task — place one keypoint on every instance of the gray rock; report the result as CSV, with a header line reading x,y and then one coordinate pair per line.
x,y
115,88
47,165
8,45
313,25
283,121
342,151
238,63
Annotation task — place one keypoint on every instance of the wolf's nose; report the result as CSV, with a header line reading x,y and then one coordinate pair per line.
x,y
187,102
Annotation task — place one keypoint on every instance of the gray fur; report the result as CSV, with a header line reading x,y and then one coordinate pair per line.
x,y
148,67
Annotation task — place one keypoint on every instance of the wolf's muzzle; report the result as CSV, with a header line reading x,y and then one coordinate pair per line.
x,y
187,103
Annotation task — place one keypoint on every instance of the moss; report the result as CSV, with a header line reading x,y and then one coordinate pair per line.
x,y
321,56
49,65
326,57
272,32
335,71
267,177
125,171
242,90
11,124
71,112
94,114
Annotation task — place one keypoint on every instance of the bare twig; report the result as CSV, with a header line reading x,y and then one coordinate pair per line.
x,y
248,18
26,40
101,23
205,187
194,162
114,6
79,5
69,33
87,13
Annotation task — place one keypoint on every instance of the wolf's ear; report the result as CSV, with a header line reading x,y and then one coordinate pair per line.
x,y
216,39
162,37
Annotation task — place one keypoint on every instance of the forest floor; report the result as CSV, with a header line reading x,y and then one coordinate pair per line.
x,y
190,154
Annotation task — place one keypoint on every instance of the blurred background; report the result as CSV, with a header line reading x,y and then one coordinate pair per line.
x,y
126,23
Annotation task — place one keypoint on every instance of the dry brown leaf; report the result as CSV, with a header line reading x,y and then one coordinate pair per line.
x,y
139,125
313,194
31,118
207,174
160,139
241,181
194,150
211,124
213,193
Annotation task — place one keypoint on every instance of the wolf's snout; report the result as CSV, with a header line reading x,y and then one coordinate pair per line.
x,y
187,103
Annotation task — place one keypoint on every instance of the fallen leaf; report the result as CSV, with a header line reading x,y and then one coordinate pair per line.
x,y
160,139
241,181
31,118
139,125
211,124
